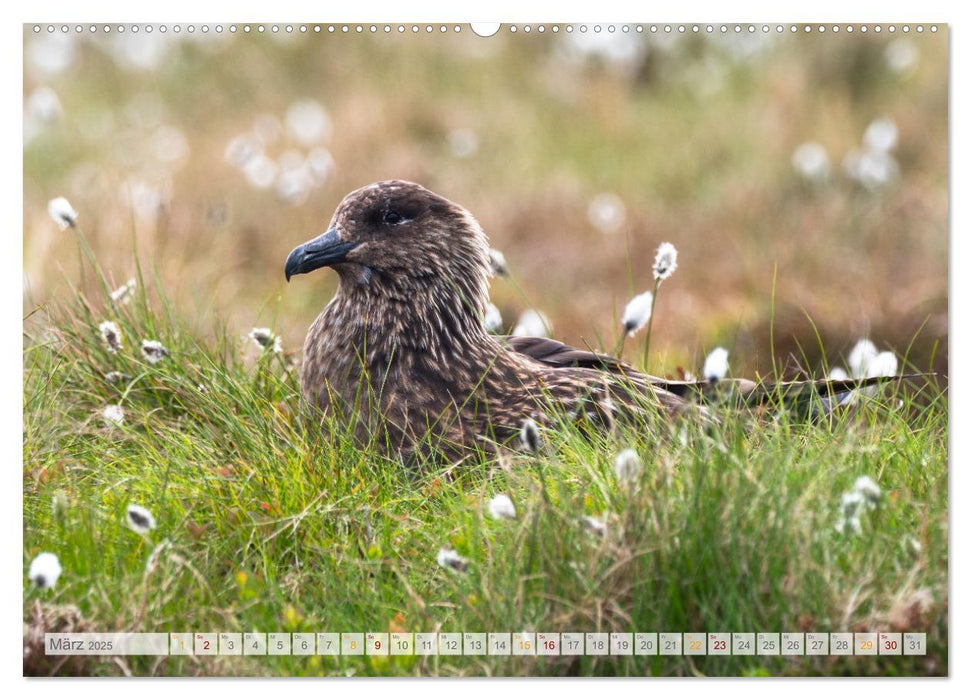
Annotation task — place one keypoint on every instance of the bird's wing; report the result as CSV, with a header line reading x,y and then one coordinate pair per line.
x,y
557,354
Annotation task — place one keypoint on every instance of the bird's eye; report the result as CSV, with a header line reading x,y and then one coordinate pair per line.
x,y
393,217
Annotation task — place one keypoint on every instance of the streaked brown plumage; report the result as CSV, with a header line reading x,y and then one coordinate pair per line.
x,y
401,351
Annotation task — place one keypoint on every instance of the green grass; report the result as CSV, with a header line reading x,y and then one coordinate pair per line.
x,y
273,526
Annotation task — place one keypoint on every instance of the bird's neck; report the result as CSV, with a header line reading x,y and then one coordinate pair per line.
x,y
437,319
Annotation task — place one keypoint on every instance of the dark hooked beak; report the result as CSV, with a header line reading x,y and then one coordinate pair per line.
x,y
326,249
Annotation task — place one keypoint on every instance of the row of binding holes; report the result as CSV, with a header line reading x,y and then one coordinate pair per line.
x,y
257,28
442,29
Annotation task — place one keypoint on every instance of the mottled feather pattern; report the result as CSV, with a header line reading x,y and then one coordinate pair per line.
x,y
401,350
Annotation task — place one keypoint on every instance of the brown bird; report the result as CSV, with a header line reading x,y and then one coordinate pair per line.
x,y
401,353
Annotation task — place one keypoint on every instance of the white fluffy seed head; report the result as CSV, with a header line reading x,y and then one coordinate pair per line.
x,y
811,162
596,526
851,503
883,365
637,313
266,339
838,374
44,570
861,356
665,261
153,351
450,559
497,263
881,135
867,487
627,465
139,519
62,212
113,414
123,293
111,334
493,318
606,213
501,506
532,324
716,365
529,435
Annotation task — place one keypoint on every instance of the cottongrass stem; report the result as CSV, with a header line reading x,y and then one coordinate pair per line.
x,y
139,519
501,506
44,570
665,263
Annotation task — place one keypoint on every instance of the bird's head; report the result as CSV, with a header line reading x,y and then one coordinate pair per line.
x,y
398,235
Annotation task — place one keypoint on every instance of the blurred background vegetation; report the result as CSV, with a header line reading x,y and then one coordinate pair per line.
x,y
817,159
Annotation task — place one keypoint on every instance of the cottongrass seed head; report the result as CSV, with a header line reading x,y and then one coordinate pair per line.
x,y
532,324
113,414
595,526
883,365
861,356
116,377
837,374
450,559
851,506
62,212
716,365
851,503
153,351
665,261
811,162
627,465
866,362
493,318
266,339
637,313
497,263
867,487
501,506
124,292
112,336
529,436
44,570
139,519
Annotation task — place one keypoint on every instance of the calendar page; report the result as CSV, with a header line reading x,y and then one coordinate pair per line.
x,y
516,349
